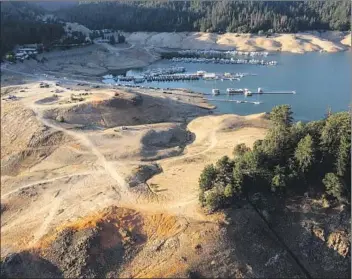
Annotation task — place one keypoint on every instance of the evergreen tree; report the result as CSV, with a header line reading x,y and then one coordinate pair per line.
x,y
304,153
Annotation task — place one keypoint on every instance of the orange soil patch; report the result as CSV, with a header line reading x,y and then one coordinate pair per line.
x,y
112,219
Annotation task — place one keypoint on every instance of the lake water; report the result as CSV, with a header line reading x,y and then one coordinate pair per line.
x,y
321,80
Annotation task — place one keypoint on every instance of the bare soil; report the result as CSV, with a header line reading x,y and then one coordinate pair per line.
x,y
111,191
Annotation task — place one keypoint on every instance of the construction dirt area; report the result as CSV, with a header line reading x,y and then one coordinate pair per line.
x,y
103,182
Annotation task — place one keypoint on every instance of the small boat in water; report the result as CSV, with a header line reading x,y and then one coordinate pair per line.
x,y
215,92
247,92
234,91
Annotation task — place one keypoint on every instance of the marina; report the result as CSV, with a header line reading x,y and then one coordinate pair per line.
x,y
285,83
173,74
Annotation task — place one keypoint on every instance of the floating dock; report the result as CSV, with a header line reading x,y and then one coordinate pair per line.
x,y
235,101
160,76
276,92
246,92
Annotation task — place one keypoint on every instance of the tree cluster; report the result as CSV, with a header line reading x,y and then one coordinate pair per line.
x,y
19,25
293,158
212,16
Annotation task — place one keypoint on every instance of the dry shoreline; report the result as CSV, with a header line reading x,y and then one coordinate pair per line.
x,y
329,41
143,49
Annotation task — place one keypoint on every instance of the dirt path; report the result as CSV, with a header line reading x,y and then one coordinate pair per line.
x,y
43,182
109,168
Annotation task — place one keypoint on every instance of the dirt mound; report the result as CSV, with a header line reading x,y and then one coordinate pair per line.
x,y
142,173
87,248
118,111
98,244
174,136
165,142
47,100
104,244
81,253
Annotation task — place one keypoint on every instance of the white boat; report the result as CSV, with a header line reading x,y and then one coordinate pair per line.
x,y
209,75
201,73
234,91
216,92
247,92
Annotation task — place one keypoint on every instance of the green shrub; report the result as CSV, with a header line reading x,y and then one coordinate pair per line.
x,y
214,199
240,149
207,177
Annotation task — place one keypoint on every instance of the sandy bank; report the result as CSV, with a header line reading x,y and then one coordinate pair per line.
x,y
328,41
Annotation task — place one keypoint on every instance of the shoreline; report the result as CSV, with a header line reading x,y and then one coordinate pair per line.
x,y
143,49
302,42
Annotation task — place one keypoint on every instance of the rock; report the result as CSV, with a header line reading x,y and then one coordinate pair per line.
x,y
340,242
319,233
124,233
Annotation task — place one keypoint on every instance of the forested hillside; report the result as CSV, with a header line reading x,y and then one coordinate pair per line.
x,y
215,16
294,158
20,25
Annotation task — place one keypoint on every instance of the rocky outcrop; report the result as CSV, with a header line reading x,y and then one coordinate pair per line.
x,y
340,242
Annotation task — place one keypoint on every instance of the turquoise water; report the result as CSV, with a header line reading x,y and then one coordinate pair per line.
x,y
321,80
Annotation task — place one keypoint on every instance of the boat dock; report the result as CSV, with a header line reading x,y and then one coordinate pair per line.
x,y
275,92
174,75
245,91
